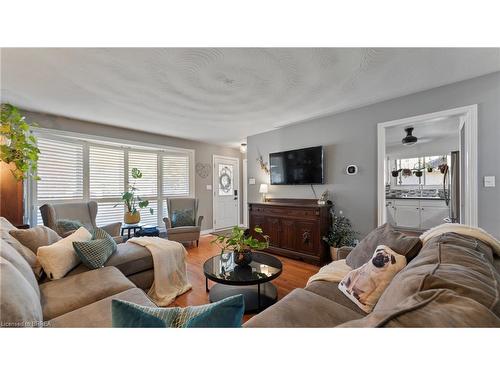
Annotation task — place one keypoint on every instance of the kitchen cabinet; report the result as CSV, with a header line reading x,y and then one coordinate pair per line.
x,y
416,214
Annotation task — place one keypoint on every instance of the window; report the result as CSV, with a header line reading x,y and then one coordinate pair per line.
x,y
428,178
74,170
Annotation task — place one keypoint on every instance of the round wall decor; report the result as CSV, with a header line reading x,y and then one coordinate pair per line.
x,y
203,169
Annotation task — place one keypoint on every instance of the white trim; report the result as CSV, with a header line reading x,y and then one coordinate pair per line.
x,y
470,216
215,185
206,231
244,187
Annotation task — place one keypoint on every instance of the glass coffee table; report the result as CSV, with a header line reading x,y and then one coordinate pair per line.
x,y
252,281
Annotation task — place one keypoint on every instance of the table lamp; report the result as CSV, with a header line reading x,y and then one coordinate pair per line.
x,y
263,190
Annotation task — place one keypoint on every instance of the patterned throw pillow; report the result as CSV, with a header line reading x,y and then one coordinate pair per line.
x,y
182,218
365,285
226,313
96,252
64,226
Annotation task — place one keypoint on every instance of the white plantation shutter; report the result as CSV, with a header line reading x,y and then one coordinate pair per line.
x,y
146,217
147,163
108,213
175,168
106,172
60,167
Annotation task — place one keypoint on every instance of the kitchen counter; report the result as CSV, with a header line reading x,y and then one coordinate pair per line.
x,y
415,197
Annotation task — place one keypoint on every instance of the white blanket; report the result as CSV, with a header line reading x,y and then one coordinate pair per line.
x,y
170,273
478,233
334,272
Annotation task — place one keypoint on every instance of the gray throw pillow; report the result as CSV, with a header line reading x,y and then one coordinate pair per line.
x,y
33,238
96,252
409,246
183,218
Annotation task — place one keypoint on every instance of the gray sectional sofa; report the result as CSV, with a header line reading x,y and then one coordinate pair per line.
x,y
454,281
80,299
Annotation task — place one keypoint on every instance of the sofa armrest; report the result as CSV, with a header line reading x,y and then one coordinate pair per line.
x,y
112,229
343,252
200,220
168,223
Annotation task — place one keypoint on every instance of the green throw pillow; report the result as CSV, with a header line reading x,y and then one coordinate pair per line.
x,y
96,252
226,313
64,226
182,218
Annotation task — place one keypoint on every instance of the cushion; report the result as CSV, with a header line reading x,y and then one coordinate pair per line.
x,y
301,308
20,304
131,258
95,253
98,314
226,313
408,246
65,225
33,238
182,217
450,261
6,224
59,258
331,291
28,255
439,308
9,253
365,285
73,292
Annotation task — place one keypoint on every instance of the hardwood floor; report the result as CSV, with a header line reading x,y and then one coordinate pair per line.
x,y
295,275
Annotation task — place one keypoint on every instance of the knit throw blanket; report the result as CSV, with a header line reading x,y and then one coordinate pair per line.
x,y
333,272
477,233
170,273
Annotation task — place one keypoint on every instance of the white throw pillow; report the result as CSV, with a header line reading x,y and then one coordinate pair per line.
x,y
60,257
365,285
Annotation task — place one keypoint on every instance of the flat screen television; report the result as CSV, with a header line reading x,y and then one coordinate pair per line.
x,y
297,167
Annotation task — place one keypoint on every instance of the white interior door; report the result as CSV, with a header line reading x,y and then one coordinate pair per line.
x,y
245,193
226,192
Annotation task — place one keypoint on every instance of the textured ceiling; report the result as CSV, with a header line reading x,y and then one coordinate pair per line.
x,y
425,131
223,95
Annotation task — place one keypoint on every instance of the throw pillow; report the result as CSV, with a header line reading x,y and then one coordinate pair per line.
x,y
25,252
60,258
182,218
226,313
33,238
365,285
402,244
64,226
96,252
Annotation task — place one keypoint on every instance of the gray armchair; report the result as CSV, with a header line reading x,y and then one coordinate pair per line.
x,y
85,213
185,233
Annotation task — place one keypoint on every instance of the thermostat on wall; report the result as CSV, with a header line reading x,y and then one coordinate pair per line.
x,y
351,169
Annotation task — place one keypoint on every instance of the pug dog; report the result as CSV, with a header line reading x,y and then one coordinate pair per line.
x,y
364,281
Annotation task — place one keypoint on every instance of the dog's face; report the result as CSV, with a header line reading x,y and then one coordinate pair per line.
x,y
382,258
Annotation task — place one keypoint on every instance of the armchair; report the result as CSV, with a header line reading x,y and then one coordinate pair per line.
x,y
85,213
184,233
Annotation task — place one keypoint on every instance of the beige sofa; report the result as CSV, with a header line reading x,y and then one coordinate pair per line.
x,y
80,299
454,281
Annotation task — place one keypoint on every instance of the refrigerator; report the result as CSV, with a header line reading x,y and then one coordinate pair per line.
x,y
451,186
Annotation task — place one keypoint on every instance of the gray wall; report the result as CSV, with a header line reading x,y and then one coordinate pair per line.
x,y
203,151
351,138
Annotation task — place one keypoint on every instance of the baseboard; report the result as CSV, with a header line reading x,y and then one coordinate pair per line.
x,y
206,231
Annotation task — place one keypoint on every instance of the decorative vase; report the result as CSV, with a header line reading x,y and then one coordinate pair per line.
x,y
243,258
132,218
334,253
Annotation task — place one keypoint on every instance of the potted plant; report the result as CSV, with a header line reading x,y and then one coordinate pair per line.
x,y
395,172
132,201
340,233
18,147
406,172
241,244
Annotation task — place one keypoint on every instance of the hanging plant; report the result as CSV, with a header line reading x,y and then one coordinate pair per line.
x,y
406,172
17,144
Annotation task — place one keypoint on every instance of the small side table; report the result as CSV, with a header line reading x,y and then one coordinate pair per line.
x,y
129,227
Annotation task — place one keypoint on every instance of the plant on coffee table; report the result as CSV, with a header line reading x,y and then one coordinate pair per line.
x,y
242,244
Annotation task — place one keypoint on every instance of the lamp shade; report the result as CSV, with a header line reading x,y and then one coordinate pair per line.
x,y
263,188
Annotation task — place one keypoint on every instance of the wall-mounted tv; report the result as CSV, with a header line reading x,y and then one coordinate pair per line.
x,y
297,167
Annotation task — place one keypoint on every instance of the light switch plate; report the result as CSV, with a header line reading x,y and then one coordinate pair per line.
x,y
209,187
251,181
489,181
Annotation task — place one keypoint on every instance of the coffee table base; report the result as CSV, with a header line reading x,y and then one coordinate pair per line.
x,y
268,295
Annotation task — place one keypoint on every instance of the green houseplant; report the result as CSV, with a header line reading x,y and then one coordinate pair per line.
x,y
340,233
241,244
18,147
132,200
